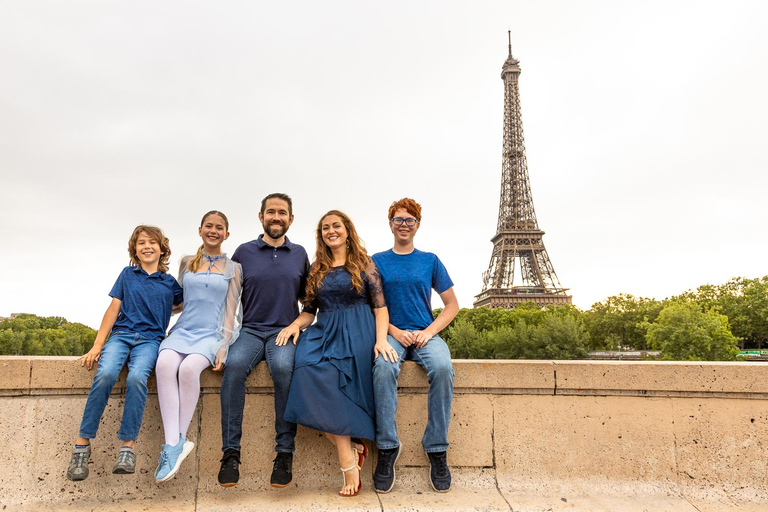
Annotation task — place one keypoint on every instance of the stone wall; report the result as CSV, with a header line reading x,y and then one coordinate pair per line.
x,y
526,435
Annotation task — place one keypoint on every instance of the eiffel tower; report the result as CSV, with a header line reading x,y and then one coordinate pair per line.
x,y
518,237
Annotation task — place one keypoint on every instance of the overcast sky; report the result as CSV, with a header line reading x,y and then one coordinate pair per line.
x,y
645,126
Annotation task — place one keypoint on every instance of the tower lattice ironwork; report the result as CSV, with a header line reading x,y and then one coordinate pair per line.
x,y
518,237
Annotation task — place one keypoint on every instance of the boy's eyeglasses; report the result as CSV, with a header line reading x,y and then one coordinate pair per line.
x,y
399,221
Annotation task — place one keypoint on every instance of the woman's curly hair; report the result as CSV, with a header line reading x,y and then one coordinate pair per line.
x,y
357,257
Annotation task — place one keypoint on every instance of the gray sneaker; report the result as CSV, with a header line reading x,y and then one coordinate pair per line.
x,y
78,465
126,461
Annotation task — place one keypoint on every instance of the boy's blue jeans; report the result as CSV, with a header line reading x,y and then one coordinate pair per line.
x,y
251,347
141,354
435,358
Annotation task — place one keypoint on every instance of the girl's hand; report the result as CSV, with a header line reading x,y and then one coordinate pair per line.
x,y
91,357
218,361
386,351
285,334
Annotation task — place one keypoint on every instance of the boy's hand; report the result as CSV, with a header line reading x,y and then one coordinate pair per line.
x,y
90,358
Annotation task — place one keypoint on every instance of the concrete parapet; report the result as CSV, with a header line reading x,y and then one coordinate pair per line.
x,y
525,435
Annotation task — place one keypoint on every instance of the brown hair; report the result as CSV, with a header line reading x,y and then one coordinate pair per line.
x,y
356,263
277,195
408,205
195,262
157,234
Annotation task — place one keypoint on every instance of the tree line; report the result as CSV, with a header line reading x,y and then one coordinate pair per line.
x,y
710,323
44,336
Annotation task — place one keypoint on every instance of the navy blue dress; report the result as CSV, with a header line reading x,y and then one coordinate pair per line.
x,y
332,386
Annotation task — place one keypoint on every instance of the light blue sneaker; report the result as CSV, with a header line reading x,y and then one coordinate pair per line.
x,y
171,458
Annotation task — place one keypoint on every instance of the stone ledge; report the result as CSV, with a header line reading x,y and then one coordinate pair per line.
x,y
525,435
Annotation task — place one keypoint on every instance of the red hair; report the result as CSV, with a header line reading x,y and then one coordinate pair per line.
x,y
408,205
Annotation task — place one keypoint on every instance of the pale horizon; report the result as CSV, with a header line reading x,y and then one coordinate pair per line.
x,y
644,130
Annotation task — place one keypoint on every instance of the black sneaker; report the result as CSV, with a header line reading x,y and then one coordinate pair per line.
x,y
384,476
229,473
282,472
439,474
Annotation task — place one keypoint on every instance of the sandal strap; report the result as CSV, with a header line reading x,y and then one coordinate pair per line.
x,y
350,468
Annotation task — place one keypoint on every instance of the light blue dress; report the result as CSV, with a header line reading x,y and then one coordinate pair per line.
x,y
209,320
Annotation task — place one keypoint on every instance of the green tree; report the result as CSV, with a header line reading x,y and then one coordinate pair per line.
x,y
619,322
683,332
48,336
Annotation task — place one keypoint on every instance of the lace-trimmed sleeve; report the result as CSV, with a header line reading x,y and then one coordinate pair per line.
x,y
231,315
375,287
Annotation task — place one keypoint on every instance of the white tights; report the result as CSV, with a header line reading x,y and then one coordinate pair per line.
x,y
178,389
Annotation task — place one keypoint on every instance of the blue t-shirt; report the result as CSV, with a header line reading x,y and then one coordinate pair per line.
x,y
274,279
146,301
408,281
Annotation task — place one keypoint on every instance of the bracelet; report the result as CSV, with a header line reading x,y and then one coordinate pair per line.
x,y
297,325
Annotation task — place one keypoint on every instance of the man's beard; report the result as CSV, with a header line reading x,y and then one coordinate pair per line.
x,y
275,231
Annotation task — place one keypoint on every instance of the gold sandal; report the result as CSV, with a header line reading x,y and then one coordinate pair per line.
x,y
359,476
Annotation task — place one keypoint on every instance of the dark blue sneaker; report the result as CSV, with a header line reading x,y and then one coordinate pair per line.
x,y
384,476
439,474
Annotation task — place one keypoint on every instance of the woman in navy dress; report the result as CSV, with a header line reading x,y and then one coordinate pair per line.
x,y
332,386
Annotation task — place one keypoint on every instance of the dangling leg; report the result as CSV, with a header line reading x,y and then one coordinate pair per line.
x,y
168,363
348,460
189,389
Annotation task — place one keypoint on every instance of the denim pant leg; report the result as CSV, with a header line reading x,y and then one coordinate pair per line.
x,y
281,362
435,358
385,374
243,357
141,362
113,357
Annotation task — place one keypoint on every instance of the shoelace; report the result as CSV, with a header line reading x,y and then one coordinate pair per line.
x,y
80,459
280,461
163,458
124,457
441,466
230,462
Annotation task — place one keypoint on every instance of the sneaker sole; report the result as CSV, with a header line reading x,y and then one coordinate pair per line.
x,y
228,484
122,471
188,447
394,473
75,478
280,486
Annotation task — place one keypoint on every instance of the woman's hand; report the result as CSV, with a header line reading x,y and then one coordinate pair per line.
x,y
285,334
91,357
386,350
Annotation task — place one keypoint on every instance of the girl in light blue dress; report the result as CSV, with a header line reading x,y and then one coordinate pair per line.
x,y
209,324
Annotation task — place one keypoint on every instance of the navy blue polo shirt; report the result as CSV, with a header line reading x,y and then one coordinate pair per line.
x,y
146,301
274,279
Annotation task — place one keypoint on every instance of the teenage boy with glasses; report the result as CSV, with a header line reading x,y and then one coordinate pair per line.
x,y
409,276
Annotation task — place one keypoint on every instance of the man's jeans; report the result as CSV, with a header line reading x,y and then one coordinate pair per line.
x,y
435,358
250,348
141,354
